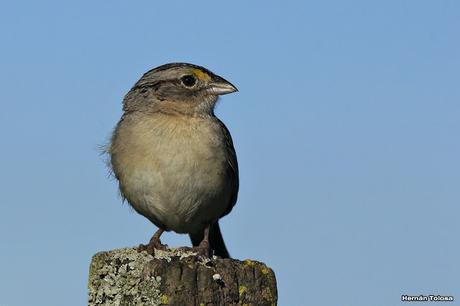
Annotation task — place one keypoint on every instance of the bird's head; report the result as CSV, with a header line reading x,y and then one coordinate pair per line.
x,y
177,88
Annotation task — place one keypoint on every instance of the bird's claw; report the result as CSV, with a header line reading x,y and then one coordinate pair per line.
x,y
151,246
203,249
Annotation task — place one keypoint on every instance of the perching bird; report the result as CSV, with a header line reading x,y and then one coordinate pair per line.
x,y
173,158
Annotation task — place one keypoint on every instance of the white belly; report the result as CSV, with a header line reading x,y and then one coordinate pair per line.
x,y
174,173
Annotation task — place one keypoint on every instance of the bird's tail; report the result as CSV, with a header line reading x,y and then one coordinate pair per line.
x,y
216,240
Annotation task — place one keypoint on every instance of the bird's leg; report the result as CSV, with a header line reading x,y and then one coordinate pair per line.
x,y
154,243
204,248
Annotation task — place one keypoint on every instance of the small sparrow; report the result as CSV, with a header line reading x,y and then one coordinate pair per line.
x,y
173,158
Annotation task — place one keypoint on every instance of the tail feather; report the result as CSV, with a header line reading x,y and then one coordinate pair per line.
x,y
216,240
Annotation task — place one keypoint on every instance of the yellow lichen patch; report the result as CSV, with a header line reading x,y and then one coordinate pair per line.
x,y
201,304
265,270
201,75
249,263
164,299
242,290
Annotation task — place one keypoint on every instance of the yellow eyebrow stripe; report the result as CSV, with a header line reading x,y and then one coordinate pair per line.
x,y
201,75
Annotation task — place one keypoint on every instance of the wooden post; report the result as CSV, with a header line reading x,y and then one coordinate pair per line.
x,y
177,277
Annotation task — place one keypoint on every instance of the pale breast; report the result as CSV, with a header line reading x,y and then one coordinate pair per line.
x,y
172,169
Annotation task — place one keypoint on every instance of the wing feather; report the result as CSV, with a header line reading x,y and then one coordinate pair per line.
x,y
232,170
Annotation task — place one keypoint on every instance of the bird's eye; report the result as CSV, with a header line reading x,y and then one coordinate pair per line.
x,y
188,80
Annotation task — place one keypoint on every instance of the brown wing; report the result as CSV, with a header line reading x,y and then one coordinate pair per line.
x,y
232,170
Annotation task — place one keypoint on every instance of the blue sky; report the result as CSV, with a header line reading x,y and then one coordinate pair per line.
x,y
346,127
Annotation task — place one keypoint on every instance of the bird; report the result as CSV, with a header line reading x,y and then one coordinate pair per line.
x,y
173,158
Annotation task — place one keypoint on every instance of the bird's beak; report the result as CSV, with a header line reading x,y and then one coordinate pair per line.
x,y
219,86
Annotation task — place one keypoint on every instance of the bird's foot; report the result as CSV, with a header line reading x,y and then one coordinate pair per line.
x,y
151,246
203,249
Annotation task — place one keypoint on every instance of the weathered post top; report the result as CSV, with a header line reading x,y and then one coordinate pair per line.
x,y
177,277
